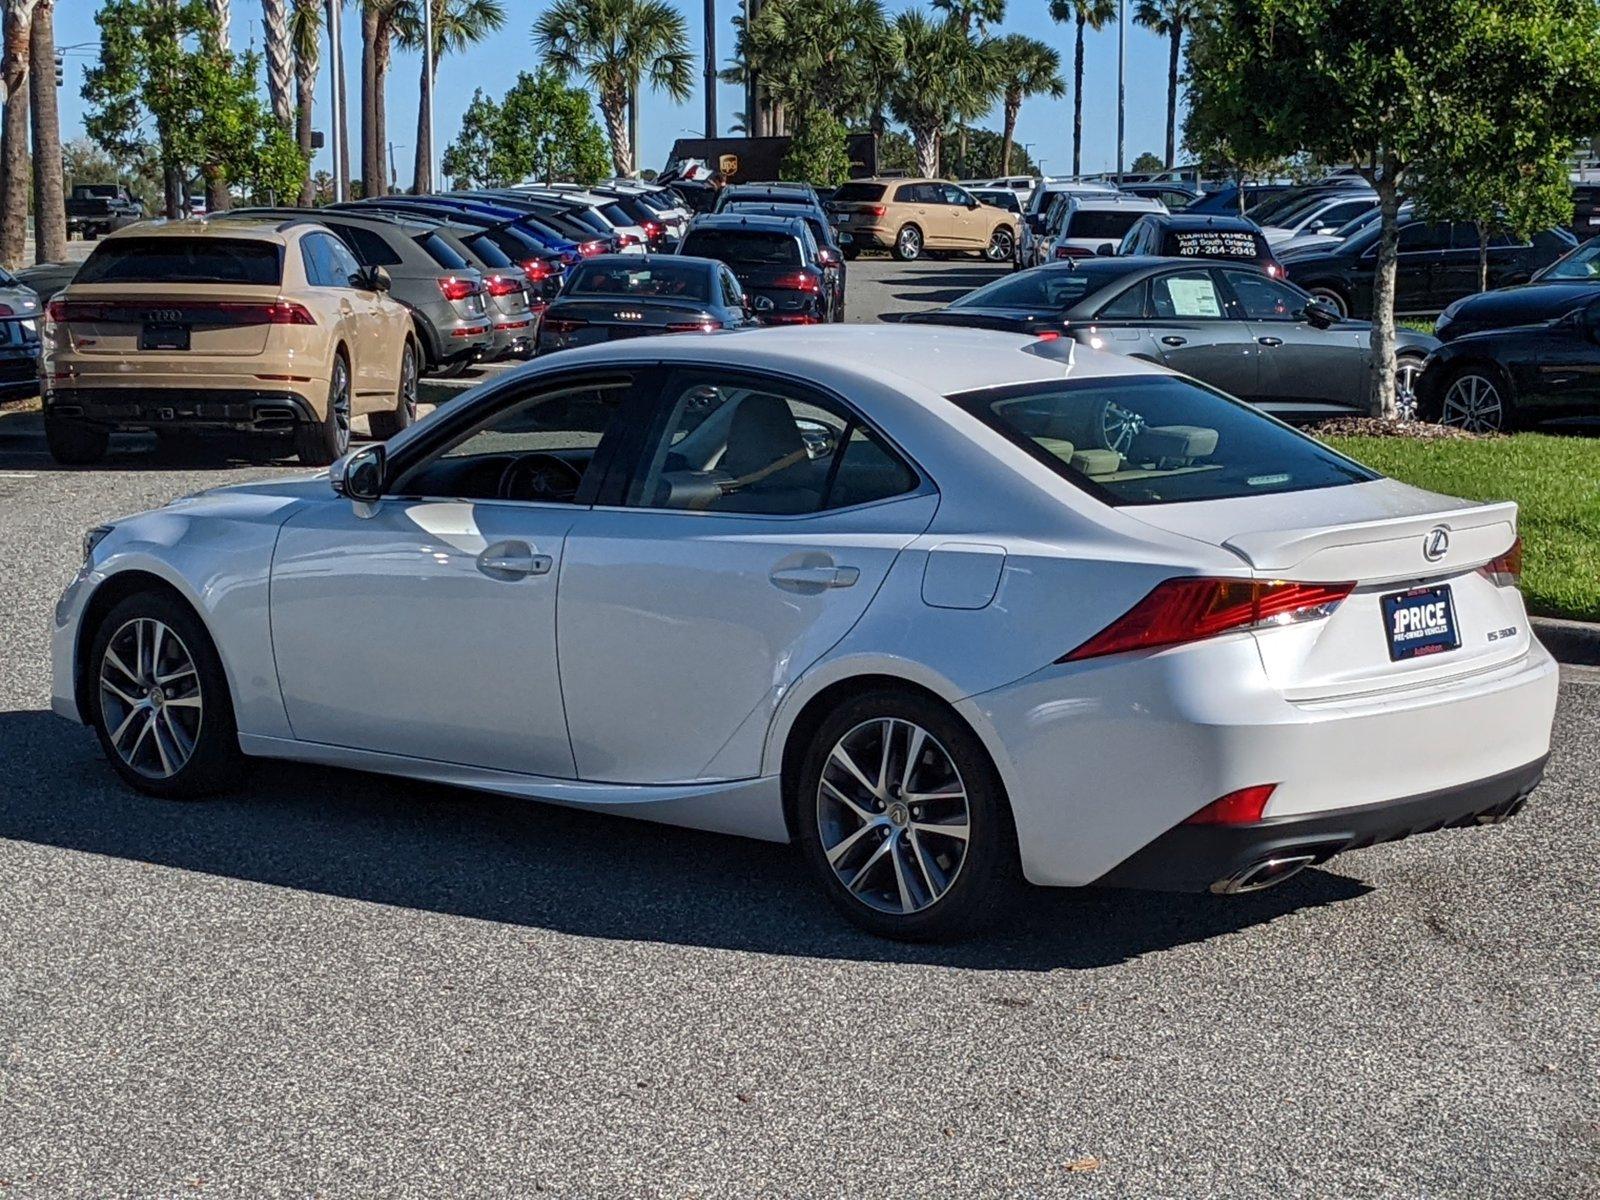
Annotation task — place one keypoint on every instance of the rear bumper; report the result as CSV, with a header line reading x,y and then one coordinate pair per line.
x,y
230,410
1198,858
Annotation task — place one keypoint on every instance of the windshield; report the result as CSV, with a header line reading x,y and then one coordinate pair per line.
x,y
1158,440
660,278
1582,263
743,247
184,260
1088,223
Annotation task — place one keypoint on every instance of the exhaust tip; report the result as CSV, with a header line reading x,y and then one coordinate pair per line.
x,y
1259,876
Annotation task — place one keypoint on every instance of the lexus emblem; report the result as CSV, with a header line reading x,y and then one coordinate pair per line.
x,y
1436,543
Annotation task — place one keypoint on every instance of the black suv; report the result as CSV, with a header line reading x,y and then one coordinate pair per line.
x,y
1438,265
775,260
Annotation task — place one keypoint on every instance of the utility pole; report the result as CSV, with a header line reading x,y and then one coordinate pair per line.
x,y
711,68
335,78
1122,73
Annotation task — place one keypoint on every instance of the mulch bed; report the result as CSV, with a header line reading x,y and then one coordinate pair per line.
x,y
1417,431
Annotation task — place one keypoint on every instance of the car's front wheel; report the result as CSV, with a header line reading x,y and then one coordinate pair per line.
x,y
903,818
158,699
1477,400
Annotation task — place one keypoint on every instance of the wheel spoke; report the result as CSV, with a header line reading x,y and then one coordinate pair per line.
x,y
119,693
116,737
161,745
884,751
950,831
115,660
180,739
860,876
176,674
919,737
900,876
149,724
842,756
920,855
183,702
844,847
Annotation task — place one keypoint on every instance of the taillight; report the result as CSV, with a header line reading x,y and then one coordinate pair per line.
x,y
1074,252
56,310
1187,610
1274,270
1505,571
627,239
693,326
501,285
458,289
653,230
564,324
1236,808
538,269
282,313
7,311
232,312
590,248
877,210
801,281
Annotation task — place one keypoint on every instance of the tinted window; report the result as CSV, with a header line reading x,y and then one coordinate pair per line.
x,y
442,252
1051,290
951,194
1130,305
744,247
1425,235
1158,440
184,260
652,277
1107,225
490,254
1262,299
370,247
1188,295
859,191
1582,263
318,251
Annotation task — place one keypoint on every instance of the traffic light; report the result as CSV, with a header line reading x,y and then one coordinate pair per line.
x,y
61,70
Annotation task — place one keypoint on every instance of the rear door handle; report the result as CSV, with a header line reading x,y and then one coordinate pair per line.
x,y
1173,339
512,560
1270,341
805,579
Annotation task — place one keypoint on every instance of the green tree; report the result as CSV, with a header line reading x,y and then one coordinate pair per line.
x,y
457,24
1518,199
542,129
1084,14
1146,164
986,156
1169,19
618,45
819,55
164,86
1029,68
818,151
1386,85
982,13
944,75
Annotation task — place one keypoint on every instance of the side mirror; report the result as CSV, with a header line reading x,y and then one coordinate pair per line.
x,y
1035,222
359,475
1319,316
371,279
1106,250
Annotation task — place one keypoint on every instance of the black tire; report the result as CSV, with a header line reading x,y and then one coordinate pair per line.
x,y
318,443
1333,298
907,244
452,369
73,444
386,424
1002,246
851,253
982,880
1501,417
215,762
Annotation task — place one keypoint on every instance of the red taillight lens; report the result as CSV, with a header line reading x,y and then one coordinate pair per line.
x,y
204,312
693,326
1187,610
591,248
627,239
563,324
1274,270
653,230
1236,808
281,313
56,310
1505,571
1074,252
537,269
801,281
458,289
877,210
501,285
7,311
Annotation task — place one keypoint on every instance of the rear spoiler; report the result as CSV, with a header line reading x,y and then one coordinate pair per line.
x,y
1393,548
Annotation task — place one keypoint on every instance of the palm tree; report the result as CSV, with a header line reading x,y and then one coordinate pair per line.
x,y
49,184
1169,18
305,35
617,45
372,148
14,162
218,197
1094,14
982,13
457,24
280,59
1031,68
944,73
816,55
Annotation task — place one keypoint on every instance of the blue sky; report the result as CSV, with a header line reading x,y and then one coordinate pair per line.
x,y
1047,124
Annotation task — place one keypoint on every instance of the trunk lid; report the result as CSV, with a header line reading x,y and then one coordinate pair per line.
x,y
148,322
1404,549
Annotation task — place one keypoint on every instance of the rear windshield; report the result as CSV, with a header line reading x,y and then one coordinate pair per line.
x,y
1582,263
1213,243
484,247
744,247
1033,290
660,278
184,260
1087,223
1158,440
441,252
859,191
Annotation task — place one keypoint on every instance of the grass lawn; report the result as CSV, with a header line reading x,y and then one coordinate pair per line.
x,y
1555,482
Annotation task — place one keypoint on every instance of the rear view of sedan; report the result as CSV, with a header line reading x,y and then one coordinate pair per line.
x,y
625,296
19,338
945,607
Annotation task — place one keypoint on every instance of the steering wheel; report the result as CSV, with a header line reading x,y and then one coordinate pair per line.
x,y
1119,426
539,477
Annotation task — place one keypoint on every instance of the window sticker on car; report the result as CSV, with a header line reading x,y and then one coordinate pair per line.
x,y
1193,298
1214,244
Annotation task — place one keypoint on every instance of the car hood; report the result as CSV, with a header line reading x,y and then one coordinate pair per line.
x,y
1522,304
1303,242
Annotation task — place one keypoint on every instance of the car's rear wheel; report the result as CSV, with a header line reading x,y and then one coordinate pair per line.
x,y
73,444
851,253
903,818
1406,369
1333,298
908,243
1477,400
386,424
158,699
1002,246
318,443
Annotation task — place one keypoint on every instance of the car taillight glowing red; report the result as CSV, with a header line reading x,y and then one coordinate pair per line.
x,y
653,230
693,326
1274,270
458,289
537,269
1187,610
1505,571
1242,807
198,312
801,281
876,210
502,285
1074,252
591,248
628,239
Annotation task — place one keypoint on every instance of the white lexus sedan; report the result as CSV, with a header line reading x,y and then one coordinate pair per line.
x,y
946,607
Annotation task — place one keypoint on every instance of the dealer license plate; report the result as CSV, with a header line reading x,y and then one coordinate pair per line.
x,y
164,337
1421,621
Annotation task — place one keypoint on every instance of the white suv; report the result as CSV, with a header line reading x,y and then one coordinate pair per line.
x,y
1081,226
1038,206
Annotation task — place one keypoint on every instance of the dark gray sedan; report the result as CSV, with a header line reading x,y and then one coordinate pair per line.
x,y
614,296
19,338
1225,323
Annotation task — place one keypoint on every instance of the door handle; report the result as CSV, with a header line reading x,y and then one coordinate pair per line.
x,y
815,578
1173,339
1270,341
512,560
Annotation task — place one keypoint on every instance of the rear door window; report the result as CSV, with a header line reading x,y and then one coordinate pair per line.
x,y
370,248
185,260
442,252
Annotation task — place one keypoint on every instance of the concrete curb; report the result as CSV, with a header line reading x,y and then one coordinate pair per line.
x,y
1576,643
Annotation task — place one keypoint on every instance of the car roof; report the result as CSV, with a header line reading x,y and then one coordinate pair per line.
x,y
407,225
739,220
1187,220
636,261
1109,202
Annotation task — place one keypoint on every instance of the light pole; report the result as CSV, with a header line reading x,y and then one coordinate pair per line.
x,y
335,77
427,87
1026,147
711,68
1122,71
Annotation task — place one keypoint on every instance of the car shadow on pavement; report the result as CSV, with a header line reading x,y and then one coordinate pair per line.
x,y
439,849
942,286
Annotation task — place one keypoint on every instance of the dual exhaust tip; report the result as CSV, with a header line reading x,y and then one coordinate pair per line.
x,y
1263,874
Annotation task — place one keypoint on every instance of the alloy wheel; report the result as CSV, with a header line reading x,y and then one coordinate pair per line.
x,y
339,402
1405,388
408,387
1001,246
910,242
1473,403
150,698
893,816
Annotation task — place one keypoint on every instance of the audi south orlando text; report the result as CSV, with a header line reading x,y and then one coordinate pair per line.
x,y
946,607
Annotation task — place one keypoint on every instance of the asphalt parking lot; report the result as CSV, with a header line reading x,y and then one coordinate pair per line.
x,y
339,985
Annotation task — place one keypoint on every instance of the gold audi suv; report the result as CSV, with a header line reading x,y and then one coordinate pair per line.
x,y
269,329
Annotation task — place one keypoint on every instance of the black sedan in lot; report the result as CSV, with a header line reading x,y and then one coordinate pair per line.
x,y
1569,283
1228,324
1438,265
1502,379
617,296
